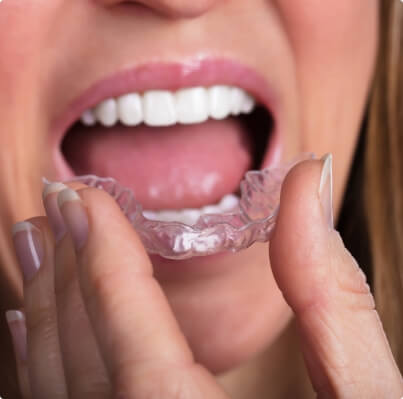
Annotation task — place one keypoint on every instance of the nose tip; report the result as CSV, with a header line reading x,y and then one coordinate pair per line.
x,y
171,8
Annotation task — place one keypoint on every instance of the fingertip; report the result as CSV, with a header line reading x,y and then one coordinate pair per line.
x,y
17,326
107,220
50,188
93,195
298,246
101,207
52,201
300,189
299,210
42,224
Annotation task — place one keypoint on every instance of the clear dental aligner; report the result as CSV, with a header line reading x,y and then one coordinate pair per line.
x,y
251,220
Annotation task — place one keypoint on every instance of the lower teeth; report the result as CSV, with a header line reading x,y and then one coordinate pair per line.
x,y
191,216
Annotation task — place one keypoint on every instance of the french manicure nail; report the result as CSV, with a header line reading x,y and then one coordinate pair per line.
x,y
28,245
49,196
16,324
74,215
326,190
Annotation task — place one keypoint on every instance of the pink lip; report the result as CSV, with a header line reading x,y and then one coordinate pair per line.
x,y
170,76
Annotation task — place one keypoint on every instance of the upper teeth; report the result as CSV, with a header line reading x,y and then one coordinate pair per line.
x,y
165,108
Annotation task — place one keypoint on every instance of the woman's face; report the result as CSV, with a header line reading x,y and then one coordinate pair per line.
x,y
315,57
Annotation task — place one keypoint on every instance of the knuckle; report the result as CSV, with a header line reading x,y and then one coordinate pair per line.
x,y
65,277
349,281
41,317
65,290
104,287
103,294
103,284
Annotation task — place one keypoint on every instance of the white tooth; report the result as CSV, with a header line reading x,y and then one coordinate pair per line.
x,y
219,101
187,216
130,109
210,209
248,104
228,202
88,118
106,112
192,105
159,108
237,98
190,216
168,216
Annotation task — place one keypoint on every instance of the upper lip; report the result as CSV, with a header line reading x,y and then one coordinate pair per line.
x,y
168,76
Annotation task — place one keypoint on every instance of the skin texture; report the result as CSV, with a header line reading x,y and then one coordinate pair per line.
x,y
321,57
107,292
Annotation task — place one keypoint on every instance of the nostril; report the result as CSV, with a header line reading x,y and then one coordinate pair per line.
x,y
171,8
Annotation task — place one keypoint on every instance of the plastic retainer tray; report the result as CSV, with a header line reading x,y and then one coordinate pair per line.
x,y
252,220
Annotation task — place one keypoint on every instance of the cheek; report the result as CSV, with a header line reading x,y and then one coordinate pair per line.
x,y
25,27
20,28
20,32
334,45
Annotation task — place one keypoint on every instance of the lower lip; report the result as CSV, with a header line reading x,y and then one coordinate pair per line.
x,y
205,73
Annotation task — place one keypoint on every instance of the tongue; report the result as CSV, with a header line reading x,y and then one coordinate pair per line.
x,y
183,166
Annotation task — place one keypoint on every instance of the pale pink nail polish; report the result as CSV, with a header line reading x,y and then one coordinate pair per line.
x,y
55,218
28,245
326,190
18,330
74,215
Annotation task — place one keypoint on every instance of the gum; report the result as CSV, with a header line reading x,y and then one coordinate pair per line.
x,y
253,220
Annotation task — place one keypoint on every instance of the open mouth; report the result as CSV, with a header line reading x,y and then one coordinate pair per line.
x,y
190,151
182,152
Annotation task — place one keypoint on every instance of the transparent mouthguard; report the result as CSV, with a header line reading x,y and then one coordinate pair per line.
x,y
252,220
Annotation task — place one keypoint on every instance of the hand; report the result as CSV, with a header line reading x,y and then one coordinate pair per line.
x,y
99,325
342,339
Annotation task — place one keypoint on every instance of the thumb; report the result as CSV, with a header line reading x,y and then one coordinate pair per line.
x,y
342,339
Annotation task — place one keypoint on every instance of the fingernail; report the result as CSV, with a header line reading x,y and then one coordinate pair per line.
x,y
326,190
74,215
28,246
55,218
18,330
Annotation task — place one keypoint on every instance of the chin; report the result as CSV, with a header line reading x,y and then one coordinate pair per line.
x,y
228,318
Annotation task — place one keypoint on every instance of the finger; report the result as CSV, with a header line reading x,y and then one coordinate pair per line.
x,y
144,349
343,342
52,211
33,242
18,331
85,372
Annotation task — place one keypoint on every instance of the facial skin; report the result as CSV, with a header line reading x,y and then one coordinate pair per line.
x,y
320,56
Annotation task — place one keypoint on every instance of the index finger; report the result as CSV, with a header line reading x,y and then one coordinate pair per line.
x,y
137,332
